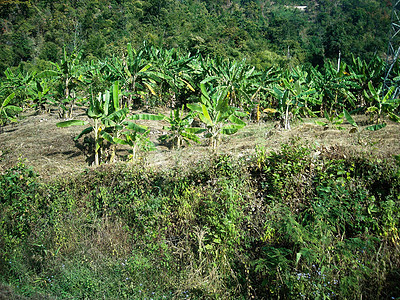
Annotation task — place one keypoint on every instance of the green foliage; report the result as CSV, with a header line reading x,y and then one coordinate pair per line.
x,y
216,113
8,111
179,130
301,222
381,105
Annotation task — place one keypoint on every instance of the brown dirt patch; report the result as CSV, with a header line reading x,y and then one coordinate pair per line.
x,y
52,152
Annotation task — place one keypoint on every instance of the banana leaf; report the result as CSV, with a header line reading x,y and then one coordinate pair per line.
x,y
135,127
150,117
376,127
84,131
349,118
71,123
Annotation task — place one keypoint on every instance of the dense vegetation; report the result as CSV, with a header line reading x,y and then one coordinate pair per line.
x,y
302,222
299,223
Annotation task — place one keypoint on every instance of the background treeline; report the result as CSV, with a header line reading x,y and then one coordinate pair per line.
x,y
264,32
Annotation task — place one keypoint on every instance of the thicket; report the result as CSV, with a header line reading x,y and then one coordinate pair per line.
x,y
302,222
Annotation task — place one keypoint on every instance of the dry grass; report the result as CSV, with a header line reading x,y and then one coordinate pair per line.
x,y
52,152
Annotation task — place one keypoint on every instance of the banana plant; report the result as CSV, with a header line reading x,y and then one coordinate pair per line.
x,y
174,72
137,138
357,129
293,96
8,111
114,121
134,72
238,78
334,87
365,72
120,129
39,95
332,120
382,106
18,82
284,103
69,77
98,112
179,129
216,113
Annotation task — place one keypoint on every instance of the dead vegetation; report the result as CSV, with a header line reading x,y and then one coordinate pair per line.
x,y
52,151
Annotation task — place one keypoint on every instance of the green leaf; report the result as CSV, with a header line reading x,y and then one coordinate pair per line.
x,y
120,141
107,136
230,129
13,108
223,102
349,118
237,121
206,116
71,123
195,130
47,74
116,95
208,79
135,127
84,131
194,107
145,68
8,99
393,117
204,91
376,127
150,117
320,123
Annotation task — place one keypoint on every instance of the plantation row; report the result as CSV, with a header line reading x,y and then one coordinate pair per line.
x,y
286,225
223,94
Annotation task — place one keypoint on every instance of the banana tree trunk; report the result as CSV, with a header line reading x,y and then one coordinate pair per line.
x,y
96,142
287,121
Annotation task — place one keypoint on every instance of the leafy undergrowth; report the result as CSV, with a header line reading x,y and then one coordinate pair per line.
x,y
300,222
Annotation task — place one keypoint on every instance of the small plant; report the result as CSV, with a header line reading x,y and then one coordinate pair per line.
x,y
8,111
179,130
333,120
382,106
39,95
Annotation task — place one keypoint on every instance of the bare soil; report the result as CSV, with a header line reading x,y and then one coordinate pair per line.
x,y
52,151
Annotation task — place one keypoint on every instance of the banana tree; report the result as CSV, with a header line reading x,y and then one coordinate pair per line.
x,y
364,72
97,112
334,88
8,111
19,83
382,106
120,129
240,80
134,72
179,129
114,121
137,138
216,113
69,77
292,96
39,95
174,72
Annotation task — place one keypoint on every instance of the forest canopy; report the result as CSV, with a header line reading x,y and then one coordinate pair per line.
x,y
264,32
